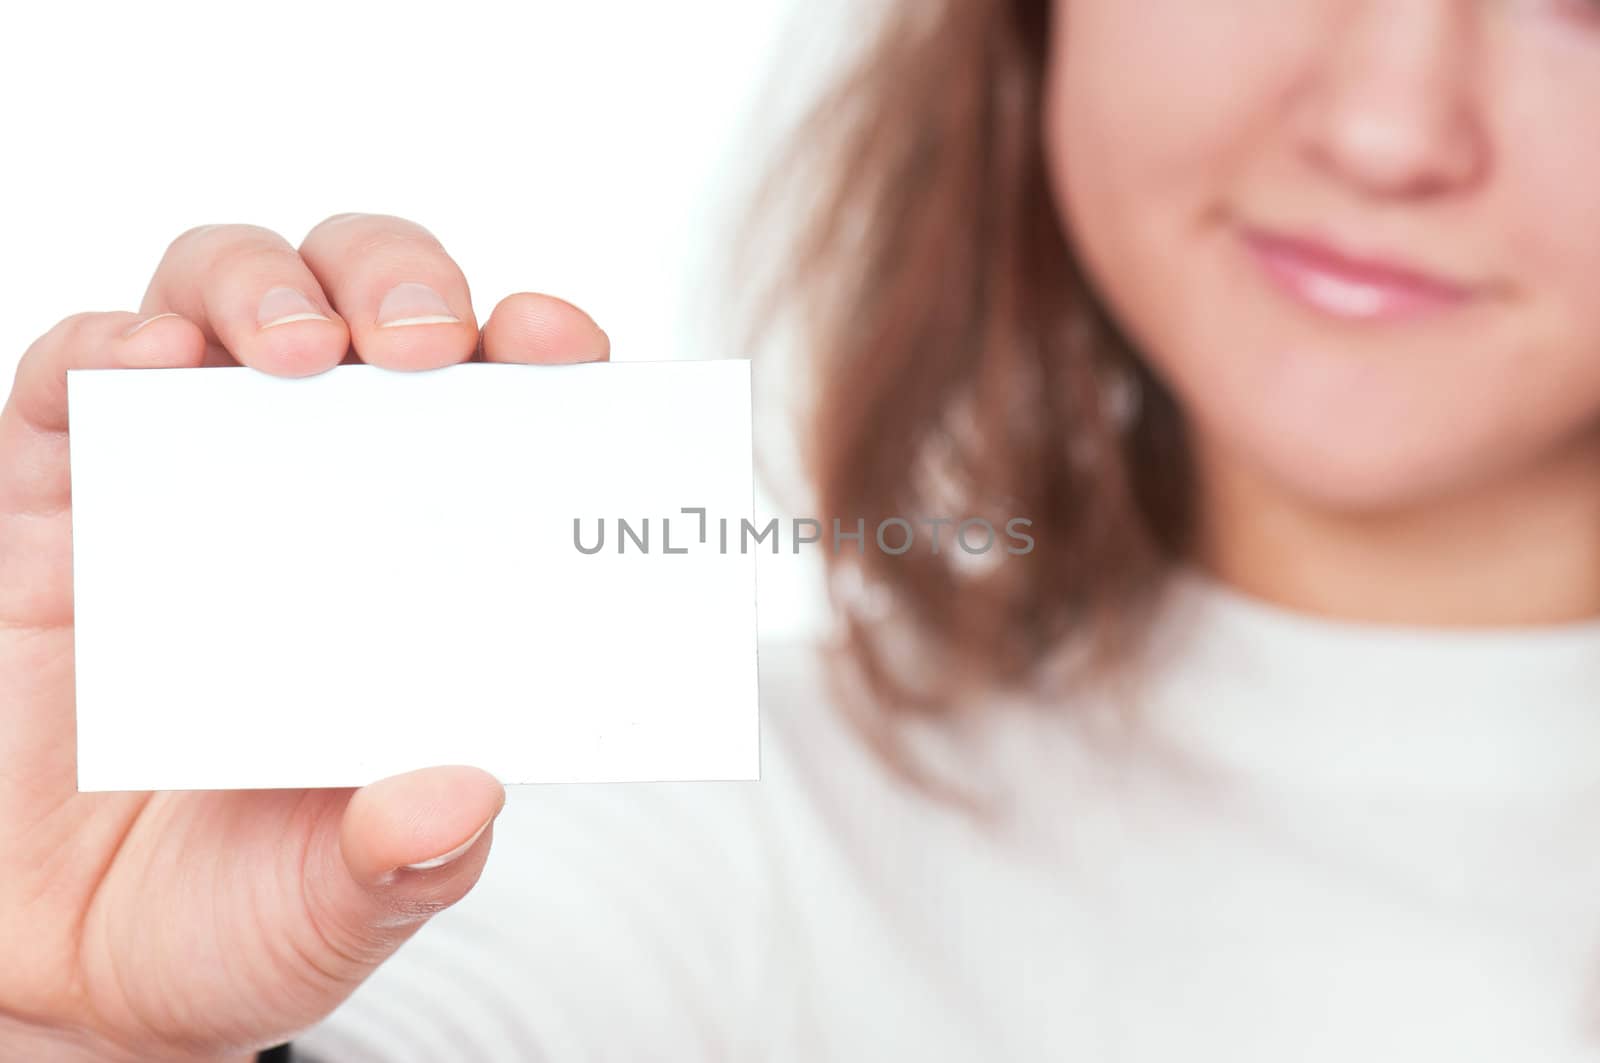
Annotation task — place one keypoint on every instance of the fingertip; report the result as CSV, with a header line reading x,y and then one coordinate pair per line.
x,y
141,322
536,329
418,818
299,348
292,334
162,341
418,345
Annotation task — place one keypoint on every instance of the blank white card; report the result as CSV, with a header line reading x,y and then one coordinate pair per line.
x,y
327,580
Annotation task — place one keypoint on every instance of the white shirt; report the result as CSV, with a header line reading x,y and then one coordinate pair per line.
x,y
1324,841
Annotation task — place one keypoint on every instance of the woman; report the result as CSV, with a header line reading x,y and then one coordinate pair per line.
x,y
1281,744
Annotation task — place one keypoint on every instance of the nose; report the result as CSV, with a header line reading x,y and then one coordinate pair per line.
x,y
1390,107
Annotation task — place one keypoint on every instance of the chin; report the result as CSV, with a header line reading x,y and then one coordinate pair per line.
x,y
1325,463
1356,485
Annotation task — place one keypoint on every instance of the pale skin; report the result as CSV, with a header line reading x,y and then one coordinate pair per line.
x,y
1437,468
207,925
1441,469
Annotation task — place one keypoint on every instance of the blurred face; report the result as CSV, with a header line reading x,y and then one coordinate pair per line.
x,y
1359,239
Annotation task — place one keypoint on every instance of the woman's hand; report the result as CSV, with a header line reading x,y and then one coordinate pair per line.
x,y
204,925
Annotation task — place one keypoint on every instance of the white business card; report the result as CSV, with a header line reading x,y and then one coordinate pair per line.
x,y
326,580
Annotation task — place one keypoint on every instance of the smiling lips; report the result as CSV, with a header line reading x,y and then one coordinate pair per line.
x,y
1350,288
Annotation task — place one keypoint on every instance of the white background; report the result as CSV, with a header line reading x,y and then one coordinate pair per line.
x,y
591,149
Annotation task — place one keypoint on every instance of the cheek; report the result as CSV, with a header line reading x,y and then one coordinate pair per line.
x,y
1151,109
1538,381
1161,94
1547,202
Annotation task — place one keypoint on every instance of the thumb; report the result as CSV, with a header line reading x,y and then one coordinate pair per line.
x,y
406,847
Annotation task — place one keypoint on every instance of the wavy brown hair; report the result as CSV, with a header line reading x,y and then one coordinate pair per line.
x,y
962,366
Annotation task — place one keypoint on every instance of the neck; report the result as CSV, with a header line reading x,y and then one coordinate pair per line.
x,y
1523,550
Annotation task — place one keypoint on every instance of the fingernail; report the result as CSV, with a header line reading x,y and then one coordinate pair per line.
x,y
137,325
445,858
411,303
280,306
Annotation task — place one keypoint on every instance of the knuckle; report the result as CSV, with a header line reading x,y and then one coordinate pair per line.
x,y
320,234
394,223
70,333
341,218
189,236
252,258
349,218
388,243
221,238
185,241
73,325
365,234
67,334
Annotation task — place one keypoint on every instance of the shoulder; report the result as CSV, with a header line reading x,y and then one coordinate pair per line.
x,y
802,715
